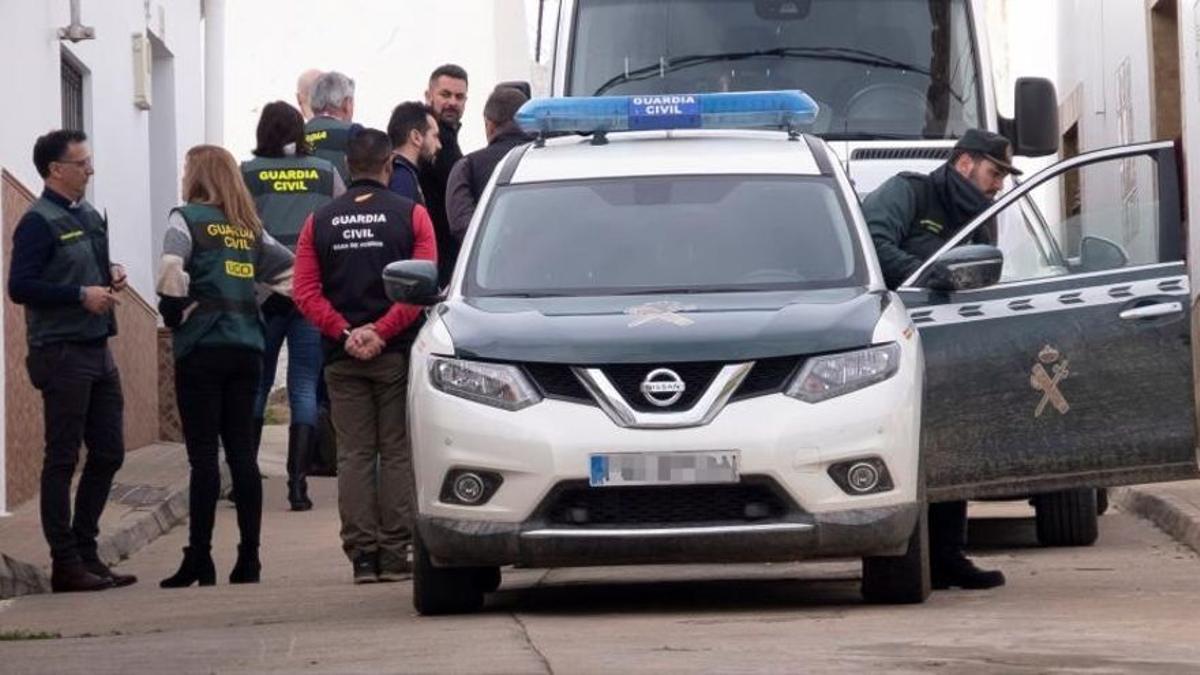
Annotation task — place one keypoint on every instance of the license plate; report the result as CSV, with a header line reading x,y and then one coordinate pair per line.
x,y
663,468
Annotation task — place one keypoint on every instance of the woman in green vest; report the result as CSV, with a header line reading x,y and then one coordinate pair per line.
x,y
215,256
288,183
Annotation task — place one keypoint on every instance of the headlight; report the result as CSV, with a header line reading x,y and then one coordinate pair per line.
x,y
493,384
824,377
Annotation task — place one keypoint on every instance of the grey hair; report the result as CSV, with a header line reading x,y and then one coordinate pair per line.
x,y
330,91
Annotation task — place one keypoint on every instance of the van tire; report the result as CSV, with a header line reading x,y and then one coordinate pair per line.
x,y
903,579
1067,518
1101,501
443,590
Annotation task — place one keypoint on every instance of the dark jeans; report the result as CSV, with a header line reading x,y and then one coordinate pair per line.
x,y
81,395
947,529
215,388
304,385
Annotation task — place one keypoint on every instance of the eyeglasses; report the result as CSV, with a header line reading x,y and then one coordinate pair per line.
x,y
85,163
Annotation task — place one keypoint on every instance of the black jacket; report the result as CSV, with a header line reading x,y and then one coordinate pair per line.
x,y
434,177
472,173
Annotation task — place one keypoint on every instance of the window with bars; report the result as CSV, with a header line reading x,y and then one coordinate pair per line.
x,y
72,96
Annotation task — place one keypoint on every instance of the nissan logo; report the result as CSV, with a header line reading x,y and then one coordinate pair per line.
x,y
663,387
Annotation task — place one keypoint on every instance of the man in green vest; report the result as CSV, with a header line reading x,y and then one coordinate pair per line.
x,y
62,275
910,217
331,128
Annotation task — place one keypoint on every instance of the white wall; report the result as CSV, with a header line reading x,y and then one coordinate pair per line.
x,y
1189,75
388,47
119,132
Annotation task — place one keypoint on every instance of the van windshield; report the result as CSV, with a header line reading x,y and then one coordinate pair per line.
x,y
878,68
665,234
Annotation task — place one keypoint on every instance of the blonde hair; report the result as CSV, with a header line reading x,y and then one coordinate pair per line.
x,y
211,176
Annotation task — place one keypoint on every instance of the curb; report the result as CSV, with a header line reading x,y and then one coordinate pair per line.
x,y
1170,514
137,528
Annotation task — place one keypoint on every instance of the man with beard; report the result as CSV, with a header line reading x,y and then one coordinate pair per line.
x,y
413,130
447,95
910,217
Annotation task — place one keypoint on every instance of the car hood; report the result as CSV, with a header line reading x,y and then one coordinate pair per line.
x,y
666,328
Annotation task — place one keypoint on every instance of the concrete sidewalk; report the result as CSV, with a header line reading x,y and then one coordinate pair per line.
x,y
1173,507
149,496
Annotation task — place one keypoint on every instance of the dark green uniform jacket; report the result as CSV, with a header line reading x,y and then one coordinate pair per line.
x,y
80,259
329,138
221,271
912,215
286,190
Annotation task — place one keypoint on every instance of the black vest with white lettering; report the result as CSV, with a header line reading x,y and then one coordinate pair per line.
x,y
355,236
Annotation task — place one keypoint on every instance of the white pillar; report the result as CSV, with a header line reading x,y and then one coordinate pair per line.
x,y
214,71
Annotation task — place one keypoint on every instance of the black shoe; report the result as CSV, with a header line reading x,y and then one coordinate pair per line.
x,y
74,577
104,571
394,566
300,440
247,569
366,568
958,571
197,567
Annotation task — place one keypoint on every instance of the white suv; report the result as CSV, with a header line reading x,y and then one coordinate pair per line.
x,y
664,347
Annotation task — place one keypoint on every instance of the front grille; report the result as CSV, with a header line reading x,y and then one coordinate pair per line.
x,y
628,378
575,503
768,376
557,381
901,153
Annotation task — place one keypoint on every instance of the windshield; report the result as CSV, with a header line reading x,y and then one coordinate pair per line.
x,y
650,235
878,68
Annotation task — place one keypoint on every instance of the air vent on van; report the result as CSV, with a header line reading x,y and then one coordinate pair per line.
x,y
900,153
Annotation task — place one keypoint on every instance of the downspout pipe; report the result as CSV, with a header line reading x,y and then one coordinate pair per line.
x,y
76,31
214,71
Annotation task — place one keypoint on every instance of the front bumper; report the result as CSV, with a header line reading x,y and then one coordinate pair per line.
x,y
855,532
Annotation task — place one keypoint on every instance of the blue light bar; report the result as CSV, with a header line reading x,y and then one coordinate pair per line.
x,y
741,110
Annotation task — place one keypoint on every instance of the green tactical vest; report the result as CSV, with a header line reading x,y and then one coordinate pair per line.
x,y
221,268
79,259
286,190
329,139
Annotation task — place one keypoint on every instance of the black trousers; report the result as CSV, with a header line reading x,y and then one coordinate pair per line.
x,y
82,403
947,529
215,388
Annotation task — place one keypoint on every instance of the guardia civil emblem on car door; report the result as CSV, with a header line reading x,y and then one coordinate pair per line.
x,y
1048,381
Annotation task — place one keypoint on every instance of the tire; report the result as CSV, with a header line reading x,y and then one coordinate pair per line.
x,y
1101,501
1067,518
904,579
443,590
487,579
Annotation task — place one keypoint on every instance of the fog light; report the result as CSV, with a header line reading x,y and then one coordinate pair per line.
x,y
468,488
862,477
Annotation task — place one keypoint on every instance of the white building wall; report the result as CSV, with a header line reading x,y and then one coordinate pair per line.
x,y
1189,76
119,132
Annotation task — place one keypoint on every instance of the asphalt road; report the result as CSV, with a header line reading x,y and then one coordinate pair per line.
x,y
1129,604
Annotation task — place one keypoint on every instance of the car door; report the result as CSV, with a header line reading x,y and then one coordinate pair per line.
x,y
1075,369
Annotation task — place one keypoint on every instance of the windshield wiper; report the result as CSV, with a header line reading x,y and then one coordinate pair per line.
x,y
844,54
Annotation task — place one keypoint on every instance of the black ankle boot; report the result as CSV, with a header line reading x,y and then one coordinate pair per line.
x,y
197,566
247,568
300,438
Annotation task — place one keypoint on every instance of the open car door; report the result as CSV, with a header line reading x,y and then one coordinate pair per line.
x,y
1075,368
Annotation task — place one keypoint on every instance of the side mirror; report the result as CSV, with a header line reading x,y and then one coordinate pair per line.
x,y
967,267
1097,254
1034,127
412,281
